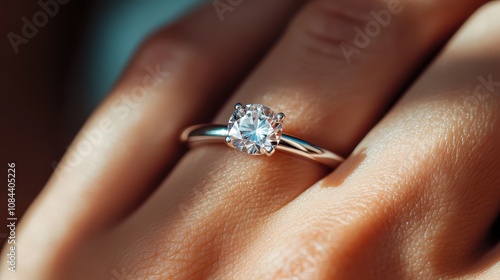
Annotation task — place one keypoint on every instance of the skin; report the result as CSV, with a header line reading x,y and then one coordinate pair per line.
x,y
418,197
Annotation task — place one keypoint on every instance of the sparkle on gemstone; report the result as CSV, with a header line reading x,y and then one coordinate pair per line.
x,y
253,129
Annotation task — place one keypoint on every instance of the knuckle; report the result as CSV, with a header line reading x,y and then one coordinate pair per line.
x,y
328,249
301,258
316,250
172,50
332,28
167,55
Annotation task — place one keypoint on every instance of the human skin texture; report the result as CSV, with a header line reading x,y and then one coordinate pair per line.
x,y
416,111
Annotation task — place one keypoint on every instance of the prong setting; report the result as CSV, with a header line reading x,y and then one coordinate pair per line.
x,y
269,151
280,117
229,140
238,106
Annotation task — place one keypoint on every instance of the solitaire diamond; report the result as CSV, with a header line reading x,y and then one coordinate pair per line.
x,y
254,129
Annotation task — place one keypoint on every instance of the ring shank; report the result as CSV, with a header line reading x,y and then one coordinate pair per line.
x,y
214,133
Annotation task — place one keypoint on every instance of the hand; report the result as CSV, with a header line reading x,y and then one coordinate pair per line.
x,y
418,197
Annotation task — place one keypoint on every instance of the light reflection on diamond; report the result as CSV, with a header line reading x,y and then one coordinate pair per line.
x,y
254,128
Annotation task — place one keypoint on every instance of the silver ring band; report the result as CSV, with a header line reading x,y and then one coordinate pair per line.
x,y
213,133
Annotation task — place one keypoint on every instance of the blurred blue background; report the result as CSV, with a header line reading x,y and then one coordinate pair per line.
x,y
113,31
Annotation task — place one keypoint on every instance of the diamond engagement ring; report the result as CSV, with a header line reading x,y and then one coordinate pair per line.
x,y
256,130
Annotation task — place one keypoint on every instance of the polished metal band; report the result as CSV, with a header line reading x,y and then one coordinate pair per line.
x,y
213,133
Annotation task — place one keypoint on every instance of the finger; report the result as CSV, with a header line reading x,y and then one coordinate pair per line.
x,y
123,149
456,104
306,77
420,195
